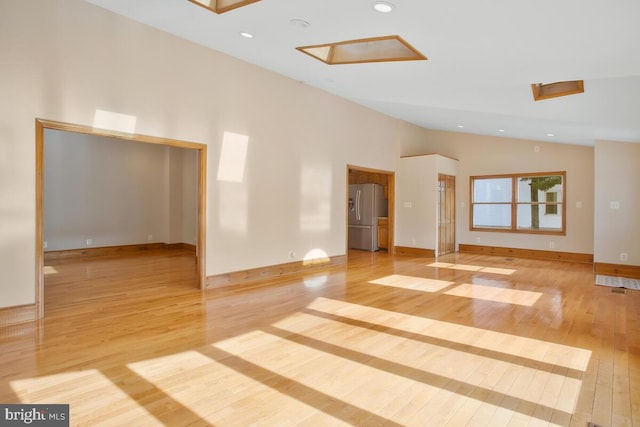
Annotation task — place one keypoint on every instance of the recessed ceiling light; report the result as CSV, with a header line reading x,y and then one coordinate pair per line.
x,y
300,23
551,134
500,130
383,6
460,126
246,35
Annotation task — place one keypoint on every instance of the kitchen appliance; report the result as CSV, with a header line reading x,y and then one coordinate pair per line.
x,y
366,204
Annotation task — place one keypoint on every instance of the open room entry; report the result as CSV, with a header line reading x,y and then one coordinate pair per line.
x,y
41,125
383,226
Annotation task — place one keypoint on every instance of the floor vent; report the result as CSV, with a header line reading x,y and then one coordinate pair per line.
x,y
618,291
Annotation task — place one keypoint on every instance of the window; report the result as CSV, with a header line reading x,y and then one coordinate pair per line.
x,y
518,203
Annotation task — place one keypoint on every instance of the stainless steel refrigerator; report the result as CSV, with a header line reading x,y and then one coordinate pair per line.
x,y
366,204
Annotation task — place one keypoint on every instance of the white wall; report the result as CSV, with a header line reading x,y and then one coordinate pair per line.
x,y
112,191
484,155
65,59
617,173
416,221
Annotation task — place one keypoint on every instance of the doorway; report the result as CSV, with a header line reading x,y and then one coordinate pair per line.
x,y
42,124
446,214
385,228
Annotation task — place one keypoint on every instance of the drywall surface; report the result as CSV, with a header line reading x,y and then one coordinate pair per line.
x,y
617,223
416,219
102,191
73,62
484,155
107,192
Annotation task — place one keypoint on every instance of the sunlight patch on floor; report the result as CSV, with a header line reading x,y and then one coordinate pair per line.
x,y
351,382
359,381
531,349
413,283
48,270
81,389
401,377
456,266
495,294
218,387
422,358
337,363
464,267
209,389
496,270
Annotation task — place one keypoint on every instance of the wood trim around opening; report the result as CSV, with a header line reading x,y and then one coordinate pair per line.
x,y
42,124
514,203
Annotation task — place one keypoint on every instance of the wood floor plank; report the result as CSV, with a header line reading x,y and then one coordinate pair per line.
x,y
469,340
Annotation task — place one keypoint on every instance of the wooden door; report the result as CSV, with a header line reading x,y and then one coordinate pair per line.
x,y
446,214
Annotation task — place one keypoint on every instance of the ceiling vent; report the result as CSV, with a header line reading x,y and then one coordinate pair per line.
x,y
376,49
553,90
222,6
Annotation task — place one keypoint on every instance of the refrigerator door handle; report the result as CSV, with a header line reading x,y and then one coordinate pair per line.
x,y
358,205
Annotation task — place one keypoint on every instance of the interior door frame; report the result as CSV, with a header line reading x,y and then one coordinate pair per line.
x,y
42,124
391,201
449,206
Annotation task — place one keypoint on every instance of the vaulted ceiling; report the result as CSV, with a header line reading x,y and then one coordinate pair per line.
x,y
483,57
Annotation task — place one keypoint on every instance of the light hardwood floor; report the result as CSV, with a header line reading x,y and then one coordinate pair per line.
x,y
467,340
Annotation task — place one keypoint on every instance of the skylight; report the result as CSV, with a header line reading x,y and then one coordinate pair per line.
x,y
552,90
376,49
221,6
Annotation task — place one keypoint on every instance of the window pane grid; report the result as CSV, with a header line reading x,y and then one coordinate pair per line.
x,y
529,203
